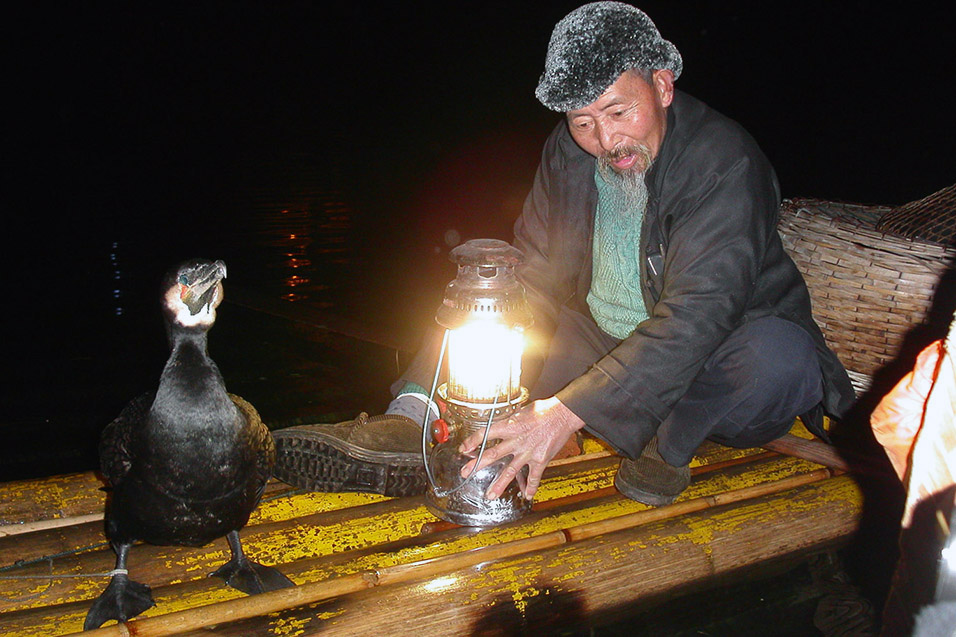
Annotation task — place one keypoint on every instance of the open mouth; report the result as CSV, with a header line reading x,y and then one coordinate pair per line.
x,y
629,158
624,163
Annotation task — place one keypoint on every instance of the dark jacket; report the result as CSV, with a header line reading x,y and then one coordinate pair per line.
x,y
711,260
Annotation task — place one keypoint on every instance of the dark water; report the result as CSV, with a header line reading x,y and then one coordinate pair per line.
x,y
332,157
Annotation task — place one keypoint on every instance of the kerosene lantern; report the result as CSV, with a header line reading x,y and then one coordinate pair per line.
x,y
484,313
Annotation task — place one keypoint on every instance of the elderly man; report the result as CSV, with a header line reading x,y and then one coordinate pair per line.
x,y
666,310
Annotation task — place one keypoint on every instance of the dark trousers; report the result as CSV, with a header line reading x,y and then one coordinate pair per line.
x,y
750,390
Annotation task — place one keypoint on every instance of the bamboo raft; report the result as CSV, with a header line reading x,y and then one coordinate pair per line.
x,y
366,564
369,563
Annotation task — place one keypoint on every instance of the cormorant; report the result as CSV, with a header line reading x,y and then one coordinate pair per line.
x,y
188,463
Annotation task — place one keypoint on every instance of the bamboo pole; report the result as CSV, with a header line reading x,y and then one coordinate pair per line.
x,y
580,458
45,525
33,505
310,593
76,534
812,450
610,525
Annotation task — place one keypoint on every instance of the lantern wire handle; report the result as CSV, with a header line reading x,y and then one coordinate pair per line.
x,y
425,429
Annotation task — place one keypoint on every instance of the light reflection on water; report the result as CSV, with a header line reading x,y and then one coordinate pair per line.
x,y
297,229
285,231
297,251
116,274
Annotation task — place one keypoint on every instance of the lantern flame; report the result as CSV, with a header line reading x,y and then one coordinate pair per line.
x,y
484,361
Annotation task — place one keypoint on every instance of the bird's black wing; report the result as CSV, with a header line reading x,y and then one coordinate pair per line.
x,y
115,449
259,438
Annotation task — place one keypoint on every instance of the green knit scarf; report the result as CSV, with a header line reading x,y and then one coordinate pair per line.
x,y
615,297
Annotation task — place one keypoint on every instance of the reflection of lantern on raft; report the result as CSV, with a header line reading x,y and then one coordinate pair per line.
x,y
485,313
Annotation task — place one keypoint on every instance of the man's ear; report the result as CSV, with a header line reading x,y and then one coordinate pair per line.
x,y
663,82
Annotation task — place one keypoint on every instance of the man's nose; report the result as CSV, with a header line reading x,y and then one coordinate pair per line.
x,y
607,136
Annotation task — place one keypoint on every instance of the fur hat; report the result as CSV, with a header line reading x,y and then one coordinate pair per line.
x,y
592,46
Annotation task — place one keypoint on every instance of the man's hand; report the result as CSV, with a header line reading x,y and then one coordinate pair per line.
x,y
532,436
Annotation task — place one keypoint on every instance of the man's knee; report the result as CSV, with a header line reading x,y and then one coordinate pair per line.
x,y
779,378
774,357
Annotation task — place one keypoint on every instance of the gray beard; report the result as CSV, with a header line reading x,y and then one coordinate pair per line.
x,y
630,184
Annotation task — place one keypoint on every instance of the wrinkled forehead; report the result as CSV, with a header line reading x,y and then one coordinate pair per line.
x,y
629,88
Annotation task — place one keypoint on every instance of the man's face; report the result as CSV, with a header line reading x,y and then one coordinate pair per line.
x,y
626,125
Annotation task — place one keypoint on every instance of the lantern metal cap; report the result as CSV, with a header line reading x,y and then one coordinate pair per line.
x,y
486,286
487,252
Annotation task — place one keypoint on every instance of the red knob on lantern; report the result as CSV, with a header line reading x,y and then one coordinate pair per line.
x,y
440,430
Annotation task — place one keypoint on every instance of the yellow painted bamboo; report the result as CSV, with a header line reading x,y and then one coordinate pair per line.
x,y
309,593
692,506
305,542
63,535
576,585
71,497
63,496
335,530
572,482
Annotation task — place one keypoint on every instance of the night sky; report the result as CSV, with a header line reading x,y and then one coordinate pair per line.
x,y
117,105
143,118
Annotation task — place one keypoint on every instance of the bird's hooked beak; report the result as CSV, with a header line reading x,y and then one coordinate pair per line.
x,y
200,286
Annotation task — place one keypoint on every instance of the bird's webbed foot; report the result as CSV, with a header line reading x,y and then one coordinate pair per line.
x,y
122,600
247,576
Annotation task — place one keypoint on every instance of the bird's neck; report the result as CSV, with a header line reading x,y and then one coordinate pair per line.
x,y
191,388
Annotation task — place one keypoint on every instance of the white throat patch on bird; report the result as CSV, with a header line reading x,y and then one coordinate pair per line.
x,y
183,315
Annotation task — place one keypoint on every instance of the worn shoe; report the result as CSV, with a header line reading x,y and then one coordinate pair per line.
x,y
649,479
381,454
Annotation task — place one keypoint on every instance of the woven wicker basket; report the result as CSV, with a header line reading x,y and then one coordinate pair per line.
x,y
868,288
931,218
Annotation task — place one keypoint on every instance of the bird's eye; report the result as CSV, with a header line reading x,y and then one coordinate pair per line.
x,y
183,280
